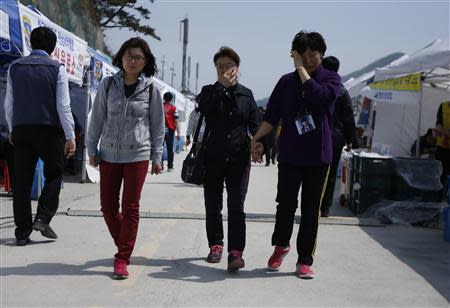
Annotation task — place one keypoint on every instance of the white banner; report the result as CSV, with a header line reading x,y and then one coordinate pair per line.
x,y
391,96
70,50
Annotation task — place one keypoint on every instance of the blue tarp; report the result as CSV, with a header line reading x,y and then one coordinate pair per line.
x,y
10,33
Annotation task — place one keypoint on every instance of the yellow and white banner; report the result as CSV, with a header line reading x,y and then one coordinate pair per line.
x,y
403,90
70,50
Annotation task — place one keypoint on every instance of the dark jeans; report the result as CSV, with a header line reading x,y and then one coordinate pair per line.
x,y
236,176
122,225
30,143
168,139
327,201
313,181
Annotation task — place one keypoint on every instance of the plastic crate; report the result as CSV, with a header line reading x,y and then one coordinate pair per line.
x,y
363,198
372,166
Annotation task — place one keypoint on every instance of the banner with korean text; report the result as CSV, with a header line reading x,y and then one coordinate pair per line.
x,y
71,51
402,90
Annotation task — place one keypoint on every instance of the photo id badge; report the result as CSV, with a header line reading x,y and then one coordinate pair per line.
x,y
305,124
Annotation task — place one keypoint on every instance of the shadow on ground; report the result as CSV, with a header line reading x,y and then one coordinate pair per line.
x,y
423,250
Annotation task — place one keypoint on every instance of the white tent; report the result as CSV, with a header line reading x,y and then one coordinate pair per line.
x,y
407,103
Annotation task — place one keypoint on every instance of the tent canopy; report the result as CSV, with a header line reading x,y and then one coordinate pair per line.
x,y
400,125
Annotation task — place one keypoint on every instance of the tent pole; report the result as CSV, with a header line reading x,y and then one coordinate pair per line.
x,y
419,126
86,122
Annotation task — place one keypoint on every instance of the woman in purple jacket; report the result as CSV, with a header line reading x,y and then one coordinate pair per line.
x,y
304,101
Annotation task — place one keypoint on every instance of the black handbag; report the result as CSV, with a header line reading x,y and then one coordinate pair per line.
x,y
194,169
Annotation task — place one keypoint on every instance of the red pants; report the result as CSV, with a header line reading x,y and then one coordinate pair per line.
x,y
123,225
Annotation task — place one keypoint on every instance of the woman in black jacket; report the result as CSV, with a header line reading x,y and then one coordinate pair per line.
x,y
231,114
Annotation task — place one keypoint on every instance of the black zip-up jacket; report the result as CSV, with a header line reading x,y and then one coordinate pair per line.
x,y
343,121
230,114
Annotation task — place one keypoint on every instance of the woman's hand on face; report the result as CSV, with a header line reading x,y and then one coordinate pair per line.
x,y
229,78
298,62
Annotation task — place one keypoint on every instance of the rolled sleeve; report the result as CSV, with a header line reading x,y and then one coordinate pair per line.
x,y
9,100
324,92
63,104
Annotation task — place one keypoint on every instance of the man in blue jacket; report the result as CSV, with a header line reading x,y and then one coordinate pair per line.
x,y
302,98
40,122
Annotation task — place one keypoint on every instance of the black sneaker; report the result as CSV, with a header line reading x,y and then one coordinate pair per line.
x,y
235,261
23,242
215,254
45,230
325,212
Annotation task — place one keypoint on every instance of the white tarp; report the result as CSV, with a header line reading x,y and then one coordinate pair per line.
x,y
70,50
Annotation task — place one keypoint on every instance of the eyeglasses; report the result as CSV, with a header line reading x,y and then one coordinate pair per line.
x,y
225,66
136,59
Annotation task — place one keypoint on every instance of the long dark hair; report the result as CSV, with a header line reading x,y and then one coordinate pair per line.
x,y
150,68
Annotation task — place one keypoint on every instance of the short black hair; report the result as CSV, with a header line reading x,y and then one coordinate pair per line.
x,y
226,51
312,40
331,63
168,96
150,68
43,38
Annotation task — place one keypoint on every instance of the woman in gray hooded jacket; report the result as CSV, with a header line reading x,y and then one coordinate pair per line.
x,y
127,125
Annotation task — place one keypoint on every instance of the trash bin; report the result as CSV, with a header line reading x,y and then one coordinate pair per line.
x,y
371,181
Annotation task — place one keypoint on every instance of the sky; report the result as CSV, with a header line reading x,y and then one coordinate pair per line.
x,y
261,32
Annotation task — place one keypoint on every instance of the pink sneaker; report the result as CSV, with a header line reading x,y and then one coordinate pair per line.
x,y
276,259
304,271
120,269
235,261
215,254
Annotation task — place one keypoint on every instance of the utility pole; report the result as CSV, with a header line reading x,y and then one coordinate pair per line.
x,y
163,67
189,74
173,73
185,24
196,77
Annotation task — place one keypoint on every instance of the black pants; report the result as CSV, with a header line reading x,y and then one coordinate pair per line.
x,y
271,149
30,143
313,181
236,176
168,138
327,201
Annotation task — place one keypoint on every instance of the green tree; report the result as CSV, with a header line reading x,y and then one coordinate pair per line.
x,y
124,14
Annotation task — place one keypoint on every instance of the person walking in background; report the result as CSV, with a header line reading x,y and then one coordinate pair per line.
x,y
343,134
270,143
194,117
230,112
171,120
40,122
128,119
305,95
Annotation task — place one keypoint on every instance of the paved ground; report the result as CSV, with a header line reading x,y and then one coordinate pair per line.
x,y
359,263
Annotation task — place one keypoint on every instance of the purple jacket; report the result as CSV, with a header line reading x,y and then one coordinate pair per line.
x,y
289,99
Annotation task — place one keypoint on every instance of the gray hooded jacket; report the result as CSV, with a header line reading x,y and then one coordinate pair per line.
x,y
129,129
